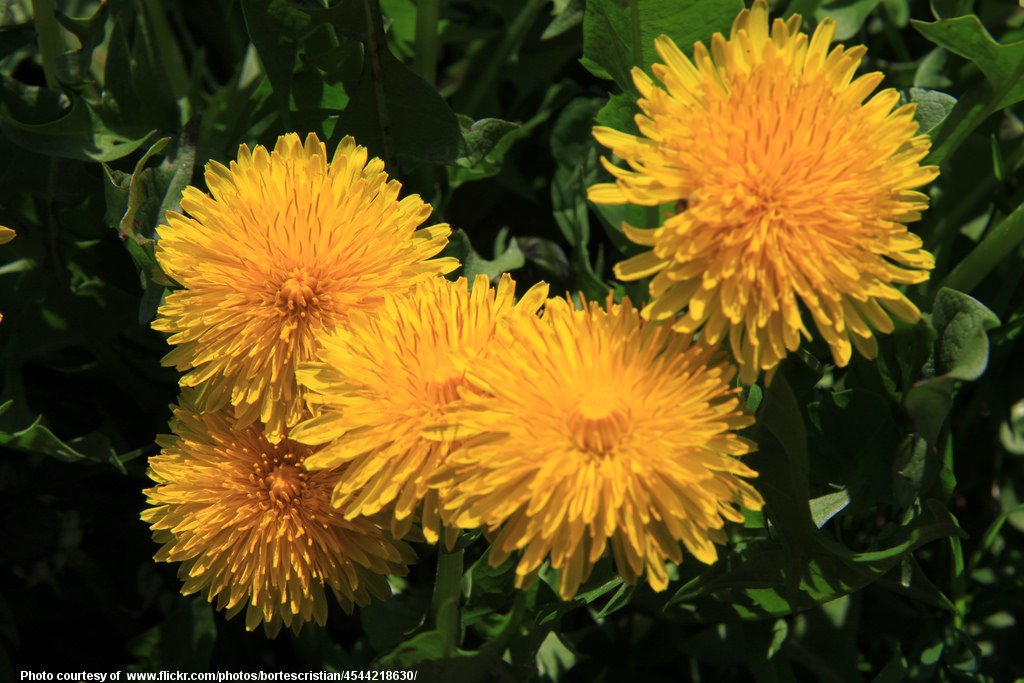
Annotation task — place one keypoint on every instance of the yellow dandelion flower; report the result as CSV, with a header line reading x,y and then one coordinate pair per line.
x,y
791,185
254,529
596,429
385,383
281,251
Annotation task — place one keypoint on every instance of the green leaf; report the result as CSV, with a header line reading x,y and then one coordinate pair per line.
x,y
15,37
960,353
37,438
608,49
58,124
567,16
1003,65
824,508
474,264
962,323
387,622
756,583
554,658
276,28
849,16
574,150
932,109
421,127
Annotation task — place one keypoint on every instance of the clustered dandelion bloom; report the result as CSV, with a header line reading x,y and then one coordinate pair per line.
x,y
385,382
792,184
595,428
254,529
283,248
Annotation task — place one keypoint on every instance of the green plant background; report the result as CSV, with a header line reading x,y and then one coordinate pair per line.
x,y
890,548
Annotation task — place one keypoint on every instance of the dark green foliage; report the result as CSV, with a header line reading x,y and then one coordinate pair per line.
x,y
891,545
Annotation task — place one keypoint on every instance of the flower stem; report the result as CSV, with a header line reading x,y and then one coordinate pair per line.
x,y
375,46
634,25
447,596
513,37
997,245
51,44
428,12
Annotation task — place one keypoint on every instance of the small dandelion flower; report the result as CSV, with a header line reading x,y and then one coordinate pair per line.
x,y
281,251
254,529
593,429
792,184
385,382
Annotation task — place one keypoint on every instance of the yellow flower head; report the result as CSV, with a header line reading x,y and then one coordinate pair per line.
x,y
254,529
386,382
595,428
790,186
281,251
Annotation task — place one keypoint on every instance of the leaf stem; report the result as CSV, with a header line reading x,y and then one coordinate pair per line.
x,y
48,36
447,596
959,582
997,245
635,36
513,37
375,46
428,12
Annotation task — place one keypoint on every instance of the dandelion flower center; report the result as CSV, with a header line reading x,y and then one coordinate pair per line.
x,y
284,484
297,293
443,387
599,422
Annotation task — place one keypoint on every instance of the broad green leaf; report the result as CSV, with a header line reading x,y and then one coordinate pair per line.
x,y
1003,65
554,658
387,622
401,114
932,109
619,113
609,32
962,322
58,124
849,16
824,508
755,584
15,37
474,264
484,145
960,353
276,28
37,438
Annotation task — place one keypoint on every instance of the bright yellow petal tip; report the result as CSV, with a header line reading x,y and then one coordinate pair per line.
x,y
385,383
6,234
254,530
282,250
594,429
792,185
